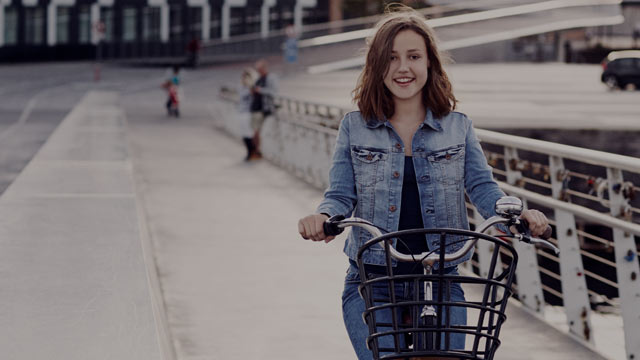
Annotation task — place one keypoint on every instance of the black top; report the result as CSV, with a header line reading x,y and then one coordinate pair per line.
x,y
257,104
410,218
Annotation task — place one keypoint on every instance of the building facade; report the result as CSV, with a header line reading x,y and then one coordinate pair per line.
x,y
42,30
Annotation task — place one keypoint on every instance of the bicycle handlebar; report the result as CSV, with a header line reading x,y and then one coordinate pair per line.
x,y
336,224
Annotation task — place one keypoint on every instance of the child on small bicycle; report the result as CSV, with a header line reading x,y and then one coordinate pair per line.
x,y
171,86
404,161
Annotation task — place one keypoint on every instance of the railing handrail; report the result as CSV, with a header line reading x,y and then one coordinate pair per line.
x,y
580,211
588,156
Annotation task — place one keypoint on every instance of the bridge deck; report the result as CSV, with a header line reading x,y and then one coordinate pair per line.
x,y
238,281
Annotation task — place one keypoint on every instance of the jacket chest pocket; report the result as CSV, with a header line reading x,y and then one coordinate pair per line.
x,y
368,165
448,164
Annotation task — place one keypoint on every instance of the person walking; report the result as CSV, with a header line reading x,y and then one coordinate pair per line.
x,y
404,160
262,105
245,99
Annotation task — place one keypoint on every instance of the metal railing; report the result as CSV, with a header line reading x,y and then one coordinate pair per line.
x,y
589,196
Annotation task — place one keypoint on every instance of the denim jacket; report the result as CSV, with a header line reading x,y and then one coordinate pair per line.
x,y
366,176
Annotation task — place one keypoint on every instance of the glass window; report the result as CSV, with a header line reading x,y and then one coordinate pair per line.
x,y
623,63
195,21
10,25
151,24
106,16
129,24
84,24
175,22
62,25
34,25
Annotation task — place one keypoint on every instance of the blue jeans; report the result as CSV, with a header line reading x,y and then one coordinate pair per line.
x,y
353,307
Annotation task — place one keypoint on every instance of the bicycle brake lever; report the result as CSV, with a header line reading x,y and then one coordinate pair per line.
x,y
544,243
522,226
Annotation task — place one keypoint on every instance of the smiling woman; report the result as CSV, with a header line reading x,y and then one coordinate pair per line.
x,y
404,161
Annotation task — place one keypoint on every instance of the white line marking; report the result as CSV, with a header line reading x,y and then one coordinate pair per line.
x,y
23,119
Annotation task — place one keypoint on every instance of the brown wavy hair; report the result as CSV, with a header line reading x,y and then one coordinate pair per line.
x,y
374,100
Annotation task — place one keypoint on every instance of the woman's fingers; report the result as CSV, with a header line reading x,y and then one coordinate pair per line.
x,y
538,222
311,228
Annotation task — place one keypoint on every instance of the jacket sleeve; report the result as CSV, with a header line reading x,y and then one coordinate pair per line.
x,y
340,197
483,191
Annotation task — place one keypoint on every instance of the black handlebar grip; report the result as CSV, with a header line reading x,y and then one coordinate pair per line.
x,y
523,228
330,226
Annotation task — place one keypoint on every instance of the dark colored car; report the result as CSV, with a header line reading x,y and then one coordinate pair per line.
x,y
621,68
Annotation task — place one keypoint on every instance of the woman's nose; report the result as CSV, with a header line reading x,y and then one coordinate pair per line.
x,y
404,65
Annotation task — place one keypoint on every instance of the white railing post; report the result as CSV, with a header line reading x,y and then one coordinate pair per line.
x,y
527,274
265,17
627,268
574,287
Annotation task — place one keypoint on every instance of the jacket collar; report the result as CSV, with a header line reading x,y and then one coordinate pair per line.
x,y
429,121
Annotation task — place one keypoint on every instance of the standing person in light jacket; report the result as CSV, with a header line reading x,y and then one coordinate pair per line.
x,y
404,161
262,105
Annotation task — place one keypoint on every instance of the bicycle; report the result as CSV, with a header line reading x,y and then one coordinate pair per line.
x,y
426,330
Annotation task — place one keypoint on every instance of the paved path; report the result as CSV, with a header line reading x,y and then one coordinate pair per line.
x,y
237,280
73,272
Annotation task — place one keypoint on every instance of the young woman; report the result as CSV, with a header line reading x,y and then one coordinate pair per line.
x,y
404,161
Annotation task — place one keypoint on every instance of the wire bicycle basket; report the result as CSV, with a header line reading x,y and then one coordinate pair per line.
x,y
417,323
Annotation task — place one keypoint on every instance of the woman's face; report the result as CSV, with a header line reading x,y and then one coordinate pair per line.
x,y
408,67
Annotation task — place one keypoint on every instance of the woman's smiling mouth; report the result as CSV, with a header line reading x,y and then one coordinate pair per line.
x,y
403,81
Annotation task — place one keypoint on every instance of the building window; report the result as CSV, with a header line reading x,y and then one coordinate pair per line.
x,y
129,24
175,22
106,16
10,26
195,22
151,24
84,24
62,25
34,25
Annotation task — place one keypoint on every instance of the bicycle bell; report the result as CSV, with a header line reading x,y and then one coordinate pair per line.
x,y
509,206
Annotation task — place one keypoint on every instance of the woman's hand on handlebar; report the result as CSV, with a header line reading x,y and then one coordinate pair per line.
x,y
310,228
538,222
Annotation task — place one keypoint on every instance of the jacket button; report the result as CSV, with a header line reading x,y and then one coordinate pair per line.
x,y
369,157
428,211
396,174
424,178
392,208
398,146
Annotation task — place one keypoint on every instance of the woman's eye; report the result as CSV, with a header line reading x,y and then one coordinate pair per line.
x,y
393,57
415,57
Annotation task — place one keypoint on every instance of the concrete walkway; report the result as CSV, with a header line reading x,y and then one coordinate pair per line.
x,y
235,281
74,282
238,281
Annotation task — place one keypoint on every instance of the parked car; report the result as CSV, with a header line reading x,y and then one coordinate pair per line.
x,y
621,68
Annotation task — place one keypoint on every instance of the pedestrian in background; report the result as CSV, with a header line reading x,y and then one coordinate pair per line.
x,y
245,98
262,105
405,161
193,51
171,85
